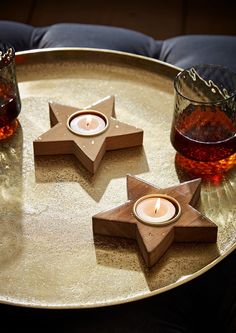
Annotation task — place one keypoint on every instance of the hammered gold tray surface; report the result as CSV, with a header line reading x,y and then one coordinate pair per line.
x,y
48,255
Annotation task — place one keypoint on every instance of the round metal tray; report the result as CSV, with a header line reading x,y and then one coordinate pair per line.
x,y
48,255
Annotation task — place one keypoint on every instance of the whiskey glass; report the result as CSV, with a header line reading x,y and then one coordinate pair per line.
x,y
204,119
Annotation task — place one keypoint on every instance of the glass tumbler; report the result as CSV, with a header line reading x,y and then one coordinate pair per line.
x,y
10,104
204,120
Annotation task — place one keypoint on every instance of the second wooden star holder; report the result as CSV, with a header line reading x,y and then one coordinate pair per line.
x,y
88,149
187,225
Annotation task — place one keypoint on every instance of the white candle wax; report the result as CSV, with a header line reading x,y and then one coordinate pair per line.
x,y
87,123
147,210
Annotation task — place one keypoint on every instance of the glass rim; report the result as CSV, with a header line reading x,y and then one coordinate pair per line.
x,y
219,101
7,54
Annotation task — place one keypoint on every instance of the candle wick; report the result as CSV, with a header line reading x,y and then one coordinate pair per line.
x,y
88,120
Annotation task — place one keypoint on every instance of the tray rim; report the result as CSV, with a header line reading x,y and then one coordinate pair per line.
x,y
50,51
93,50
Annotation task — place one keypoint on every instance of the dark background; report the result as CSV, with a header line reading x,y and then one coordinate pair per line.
x,y
159,19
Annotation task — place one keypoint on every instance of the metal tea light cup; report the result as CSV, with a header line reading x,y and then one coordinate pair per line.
x,y
204,120
10,104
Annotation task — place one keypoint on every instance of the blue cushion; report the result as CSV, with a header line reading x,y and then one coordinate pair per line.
x,y
97,36
24,37
17,34
182,51
185,51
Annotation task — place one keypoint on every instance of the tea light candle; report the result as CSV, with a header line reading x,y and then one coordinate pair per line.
x,y
156,209
87,123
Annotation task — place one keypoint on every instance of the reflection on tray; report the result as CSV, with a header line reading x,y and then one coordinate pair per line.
x,y
11,198
212,172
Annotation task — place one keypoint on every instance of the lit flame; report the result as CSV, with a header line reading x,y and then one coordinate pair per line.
x,y
157,205
88,120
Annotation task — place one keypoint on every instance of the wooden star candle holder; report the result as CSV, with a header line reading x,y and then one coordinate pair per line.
x,y
156,218
86,133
